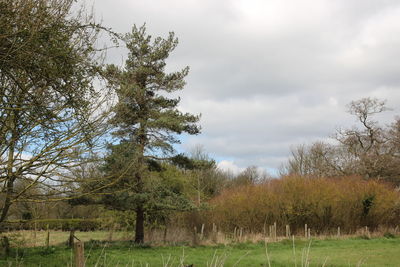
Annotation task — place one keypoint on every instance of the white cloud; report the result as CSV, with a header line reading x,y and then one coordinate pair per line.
x,y
229,166
269,74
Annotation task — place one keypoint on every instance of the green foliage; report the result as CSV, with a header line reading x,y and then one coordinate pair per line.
x,y
144,115
367,202
46,251
117,219
147,123
163,193
389,235
364,237
26,216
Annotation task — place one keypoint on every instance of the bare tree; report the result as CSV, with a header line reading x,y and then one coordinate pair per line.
x,y
371,151
50,110
371,136
370,143
318,160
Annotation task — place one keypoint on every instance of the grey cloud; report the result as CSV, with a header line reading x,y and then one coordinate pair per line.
x,y
269,74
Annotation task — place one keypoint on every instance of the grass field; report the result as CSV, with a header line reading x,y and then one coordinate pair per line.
x,y
37,239
349,252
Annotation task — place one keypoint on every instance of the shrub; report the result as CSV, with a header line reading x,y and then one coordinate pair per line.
x,y
322,203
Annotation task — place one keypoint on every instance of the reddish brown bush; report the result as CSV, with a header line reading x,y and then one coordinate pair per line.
x,y
322,203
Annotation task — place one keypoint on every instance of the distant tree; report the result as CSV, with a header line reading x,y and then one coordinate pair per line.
x,y
371,151
50,111
373,144
145,119
249,176
393,136
205,180
371,136
319,159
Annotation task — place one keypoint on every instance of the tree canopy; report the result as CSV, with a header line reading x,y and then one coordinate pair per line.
x,y
146,120
50,110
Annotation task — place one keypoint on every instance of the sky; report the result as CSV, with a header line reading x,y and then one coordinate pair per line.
x,y
267,75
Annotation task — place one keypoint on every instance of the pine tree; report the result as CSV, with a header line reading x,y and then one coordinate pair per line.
x,y
144,116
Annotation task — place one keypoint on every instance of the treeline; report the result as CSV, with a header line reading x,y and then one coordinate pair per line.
x,y
249,200
350,182
193,178
369,149
322,203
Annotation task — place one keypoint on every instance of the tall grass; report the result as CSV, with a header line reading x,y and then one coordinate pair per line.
x,y
297,253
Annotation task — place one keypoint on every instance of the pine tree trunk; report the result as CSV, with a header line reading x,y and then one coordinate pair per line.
x,y
139,229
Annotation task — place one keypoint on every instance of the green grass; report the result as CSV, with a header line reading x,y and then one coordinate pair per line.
x,y
350,252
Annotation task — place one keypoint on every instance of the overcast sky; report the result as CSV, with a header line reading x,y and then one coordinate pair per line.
x,y
270,74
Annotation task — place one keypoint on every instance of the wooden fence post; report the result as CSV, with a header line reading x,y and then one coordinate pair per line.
x,y
48,237
265,230
202,232
195,239
338,231
214,236
79,254
110,234
34,234
367,233
71,238
165,235
305,230
287,231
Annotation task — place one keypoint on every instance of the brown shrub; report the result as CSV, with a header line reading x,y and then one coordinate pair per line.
x,y
322,203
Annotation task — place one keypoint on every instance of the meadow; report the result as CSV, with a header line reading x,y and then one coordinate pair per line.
x,y
348,251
